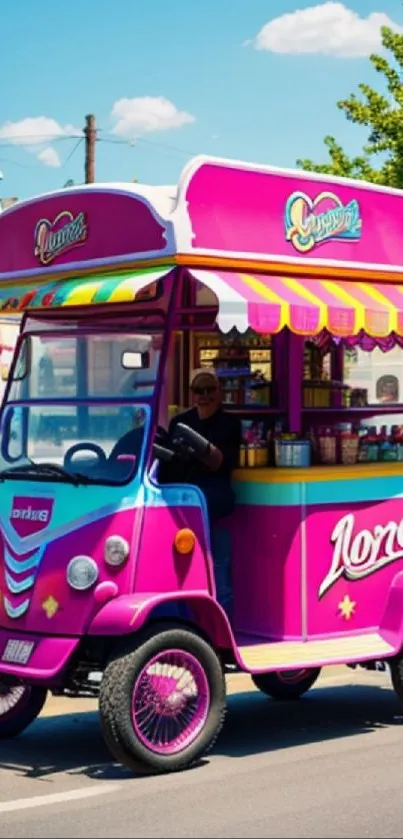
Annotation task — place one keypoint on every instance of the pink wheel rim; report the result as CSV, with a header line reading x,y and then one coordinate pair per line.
x,y
13,696
170,702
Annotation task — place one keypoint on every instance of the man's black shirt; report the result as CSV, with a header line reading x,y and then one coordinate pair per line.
x,y
224,431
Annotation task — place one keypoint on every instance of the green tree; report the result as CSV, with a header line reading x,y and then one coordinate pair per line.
x,y
382,158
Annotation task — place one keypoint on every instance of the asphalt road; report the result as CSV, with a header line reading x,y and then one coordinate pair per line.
x,y
328,766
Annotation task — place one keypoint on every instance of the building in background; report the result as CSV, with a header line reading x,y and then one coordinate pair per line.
x,y
5,203
9,330
380,373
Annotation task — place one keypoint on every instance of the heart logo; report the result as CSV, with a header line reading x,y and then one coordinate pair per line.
x,y
312,221
52,238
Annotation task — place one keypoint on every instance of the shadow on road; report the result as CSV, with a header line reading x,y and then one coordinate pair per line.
x,y
73,743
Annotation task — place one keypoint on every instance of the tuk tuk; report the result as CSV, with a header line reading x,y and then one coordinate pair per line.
x,y
109,577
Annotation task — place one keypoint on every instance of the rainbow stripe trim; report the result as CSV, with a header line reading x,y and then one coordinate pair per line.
x,y
96,289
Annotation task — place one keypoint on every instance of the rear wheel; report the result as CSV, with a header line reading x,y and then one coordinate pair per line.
x,y
162,700
286,684
20,704
396,672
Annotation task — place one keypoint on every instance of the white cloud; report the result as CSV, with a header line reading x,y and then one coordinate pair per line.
x,y
31,131
35,134
49,157
328,29
145,114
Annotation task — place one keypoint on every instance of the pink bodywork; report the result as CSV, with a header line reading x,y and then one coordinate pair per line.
x,y
239,210
118,227
266,557
364,559
294,567
156,572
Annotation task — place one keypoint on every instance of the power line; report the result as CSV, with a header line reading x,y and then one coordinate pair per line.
x,y
19,139
142,140
90,135
11,162
73,150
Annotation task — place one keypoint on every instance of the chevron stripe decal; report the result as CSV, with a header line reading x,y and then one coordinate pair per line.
x,y
15,611
18,566
17,587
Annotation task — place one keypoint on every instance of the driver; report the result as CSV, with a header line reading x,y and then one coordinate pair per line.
x,y
212,474
224,433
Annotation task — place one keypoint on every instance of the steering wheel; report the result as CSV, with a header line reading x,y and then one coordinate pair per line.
x,y
84,447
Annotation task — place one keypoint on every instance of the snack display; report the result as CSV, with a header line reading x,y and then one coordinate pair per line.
x,y
243,363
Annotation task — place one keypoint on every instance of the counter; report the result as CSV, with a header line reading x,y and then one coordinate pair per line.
x,y
314,474
319,485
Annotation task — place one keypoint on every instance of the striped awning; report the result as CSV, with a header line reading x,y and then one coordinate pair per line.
x,y
306,307
264,303
96,289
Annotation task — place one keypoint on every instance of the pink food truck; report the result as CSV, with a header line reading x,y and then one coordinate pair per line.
x,y
111,577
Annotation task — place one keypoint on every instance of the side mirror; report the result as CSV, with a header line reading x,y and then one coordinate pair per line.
x,y
12,434
135,360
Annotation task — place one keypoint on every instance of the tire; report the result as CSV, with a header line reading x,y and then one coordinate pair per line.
x,y
286,684
20,705
396,672
130,682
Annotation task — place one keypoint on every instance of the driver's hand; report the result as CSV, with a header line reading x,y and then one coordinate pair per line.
x,y
182,448
162,436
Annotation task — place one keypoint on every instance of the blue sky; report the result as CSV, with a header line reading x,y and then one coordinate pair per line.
x,y
60,61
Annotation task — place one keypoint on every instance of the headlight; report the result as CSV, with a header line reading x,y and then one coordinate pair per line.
x,y
116,550
82,572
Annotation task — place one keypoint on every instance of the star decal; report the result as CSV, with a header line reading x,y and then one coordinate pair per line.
x,y
50,606
347,607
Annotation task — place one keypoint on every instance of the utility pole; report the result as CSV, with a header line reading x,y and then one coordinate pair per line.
x,y
90,135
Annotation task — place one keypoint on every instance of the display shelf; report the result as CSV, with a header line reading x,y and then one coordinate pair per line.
x,y
252,409
365,409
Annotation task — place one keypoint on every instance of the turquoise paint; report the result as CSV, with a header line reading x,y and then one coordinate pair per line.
x,y
321,492
271,494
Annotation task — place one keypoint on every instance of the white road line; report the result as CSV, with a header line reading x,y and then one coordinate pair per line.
x,y
55,798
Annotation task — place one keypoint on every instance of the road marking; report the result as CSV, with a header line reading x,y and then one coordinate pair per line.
x,y
56,798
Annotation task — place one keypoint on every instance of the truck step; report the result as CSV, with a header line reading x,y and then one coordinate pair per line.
x,y
286,655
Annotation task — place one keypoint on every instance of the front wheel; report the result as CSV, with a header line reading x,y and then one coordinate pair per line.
x,y
20,705
286,684
162,700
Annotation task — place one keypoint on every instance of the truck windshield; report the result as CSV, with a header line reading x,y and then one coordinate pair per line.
x,y
78,408
65,366
79,444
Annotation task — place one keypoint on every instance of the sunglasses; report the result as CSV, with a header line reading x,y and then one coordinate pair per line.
x,y
204,391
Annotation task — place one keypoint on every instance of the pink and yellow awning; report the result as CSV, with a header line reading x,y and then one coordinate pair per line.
x,y
268,304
